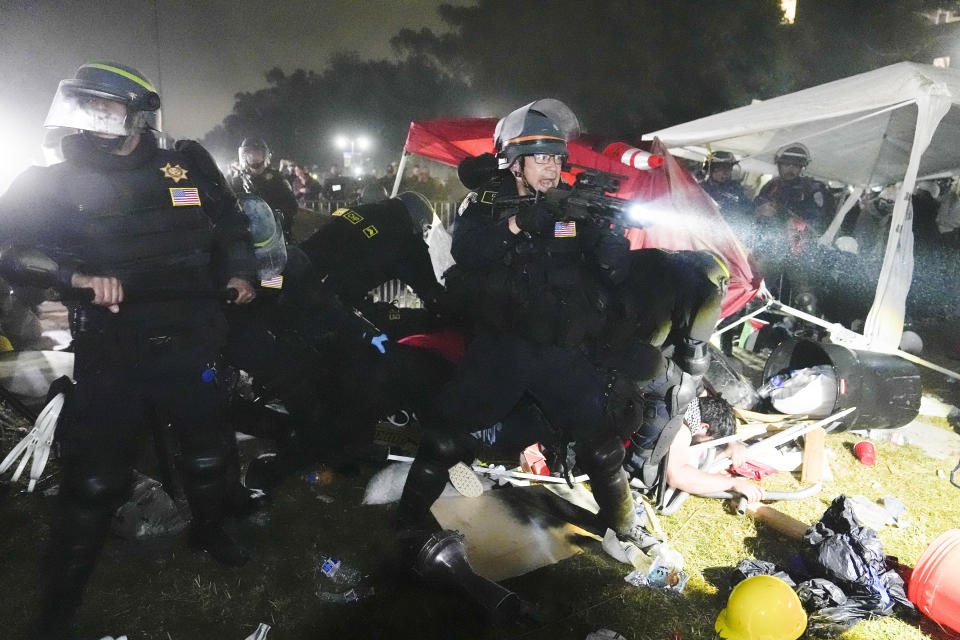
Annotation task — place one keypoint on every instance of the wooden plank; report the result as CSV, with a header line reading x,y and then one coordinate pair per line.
x,y
781,522
813,456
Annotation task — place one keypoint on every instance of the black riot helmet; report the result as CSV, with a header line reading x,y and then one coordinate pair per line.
x,y
372,192
420,210
795,153
543,126
254,154
721,159
79,101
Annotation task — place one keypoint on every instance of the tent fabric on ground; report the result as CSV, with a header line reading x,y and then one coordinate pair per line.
x,y
685,217
887,126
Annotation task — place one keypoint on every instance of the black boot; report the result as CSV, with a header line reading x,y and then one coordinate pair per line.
x,y
618,510
213,538
424,484
79,529
205,485
602,459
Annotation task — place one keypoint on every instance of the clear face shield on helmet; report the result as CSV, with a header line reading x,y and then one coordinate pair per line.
x,y
268,243
93,111
253,159
513,133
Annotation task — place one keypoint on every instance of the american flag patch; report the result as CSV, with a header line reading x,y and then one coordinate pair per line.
x,y
185,196
565,229
273,283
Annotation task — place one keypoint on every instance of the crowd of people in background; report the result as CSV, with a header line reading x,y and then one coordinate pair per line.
x,y
833,273
316,188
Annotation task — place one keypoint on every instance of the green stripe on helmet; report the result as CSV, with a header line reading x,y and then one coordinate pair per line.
x,y
126,74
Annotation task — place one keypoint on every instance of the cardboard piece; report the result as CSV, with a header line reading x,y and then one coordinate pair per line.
x,y
515,530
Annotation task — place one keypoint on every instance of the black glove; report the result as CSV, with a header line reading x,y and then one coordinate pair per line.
x,y
538,218
613,255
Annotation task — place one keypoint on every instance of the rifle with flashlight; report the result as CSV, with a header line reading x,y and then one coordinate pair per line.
x,y
587,200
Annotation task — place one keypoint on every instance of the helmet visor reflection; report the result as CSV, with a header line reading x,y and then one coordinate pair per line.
x,y
88,111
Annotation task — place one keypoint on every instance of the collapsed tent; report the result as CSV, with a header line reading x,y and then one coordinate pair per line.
x,y
685,218
897,124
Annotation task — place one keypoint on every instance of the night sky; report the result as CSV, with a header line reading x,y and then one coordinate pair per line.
x,y
208,50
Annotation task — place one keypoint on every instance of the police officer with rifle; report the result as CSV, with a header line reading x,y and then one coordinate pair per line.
x,y
535,284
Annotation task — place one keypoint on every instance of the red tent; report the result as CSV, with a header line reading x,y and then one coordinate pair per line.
x,y
685,216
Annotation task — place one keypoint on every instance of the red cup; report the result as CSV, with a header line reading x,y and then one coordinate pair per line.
x,y
866,452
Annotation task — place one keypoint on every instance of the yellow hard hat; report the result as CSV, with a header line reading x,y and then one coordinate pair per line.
x,y
762,608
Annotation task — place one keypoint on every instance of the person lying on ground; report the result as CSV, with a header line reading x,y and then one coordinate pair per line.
x,y
660,452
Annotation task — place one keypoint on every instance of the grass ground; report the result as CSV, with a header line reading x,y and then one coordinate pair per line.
x,y
164,591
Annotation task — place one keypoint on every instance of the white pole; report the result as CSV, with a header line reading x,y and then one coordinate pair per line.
x,y
827,238
396,181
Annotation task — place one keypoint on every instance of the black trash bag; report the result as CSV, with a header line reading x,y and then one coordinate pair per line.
x,y
148,512
851,556
818,593
830,622
750,568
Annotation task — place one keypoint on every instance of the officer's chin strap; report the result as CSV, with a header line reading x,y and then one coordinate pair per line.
x,y
523,179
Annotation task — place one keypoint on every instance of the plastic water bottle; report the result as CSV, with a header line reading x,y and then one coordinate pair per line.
x,y
636,557
793,380
338,572
810,391
775,382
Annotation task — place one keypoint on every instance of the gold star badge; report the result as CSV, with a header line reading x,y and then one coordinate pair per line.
x,y
175,173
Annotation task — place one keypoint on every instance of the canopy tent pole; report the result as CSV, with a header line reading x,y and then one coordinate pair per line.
x,y
400,168
884,325
828,236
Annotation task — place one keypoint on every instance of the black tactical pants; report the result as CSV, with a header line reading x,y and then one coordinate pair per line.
x,y
123,382
496,372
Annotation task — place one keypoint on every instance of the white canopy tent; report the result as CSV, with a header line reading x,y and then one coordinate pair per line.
x,y
897,124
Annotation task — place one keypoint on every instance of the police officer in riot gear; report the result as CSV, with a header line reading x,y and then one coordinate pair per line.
x,y
336,390
727,192
120,215
535,283
255,176
359,248
794,195
791,212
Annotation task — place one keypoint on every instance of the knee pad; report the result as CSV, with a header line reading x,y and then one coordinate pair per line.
x,y
102,488
601,457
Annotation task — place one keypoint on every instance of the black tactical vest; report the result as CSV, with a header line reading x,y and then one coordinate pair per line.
x,y
542,289
145,225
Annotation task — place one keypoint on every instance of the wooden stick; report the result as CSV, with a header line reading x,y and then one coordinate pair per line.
x,y
813,456
778,521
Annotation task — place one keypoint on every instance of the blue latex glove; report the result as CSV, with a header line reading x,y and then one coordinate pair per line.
x,y
377,341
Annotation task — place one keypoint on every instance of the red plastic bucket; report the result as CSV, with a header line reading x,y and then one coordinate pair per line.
x,y
935,582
